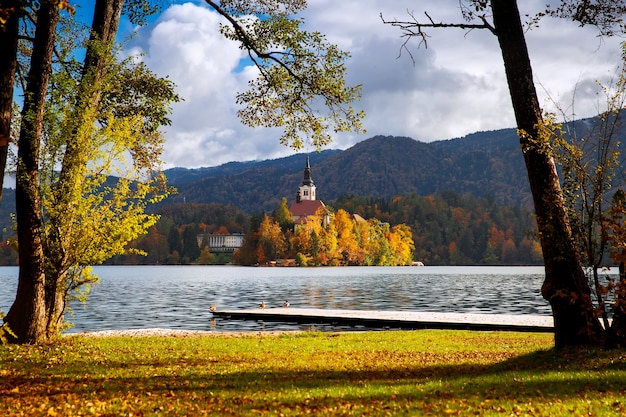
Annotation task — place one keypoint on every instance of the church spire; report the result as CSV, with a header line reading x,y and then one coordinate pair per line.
x,y
308,180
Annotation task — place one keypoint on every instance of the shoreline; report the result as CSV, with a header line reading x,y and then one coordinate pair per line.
x,y
178,333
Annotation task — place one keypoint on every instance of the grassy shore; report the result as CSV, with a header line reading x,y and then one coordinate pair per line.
x,y
370,373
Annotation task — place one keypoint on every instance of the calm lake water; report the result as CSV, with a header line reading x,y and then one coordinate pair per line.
x,y
178,297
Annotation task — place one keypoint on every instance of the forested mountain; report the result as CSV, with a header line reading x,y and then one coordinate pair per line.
x,y
482,164
249,186
466,200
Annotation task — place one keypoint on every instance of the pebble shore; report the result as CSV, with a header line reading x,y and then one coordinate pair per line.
x,y
175,333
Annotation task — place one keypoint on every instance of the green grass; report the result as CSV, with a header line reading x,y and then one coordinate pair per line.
x,y
370,373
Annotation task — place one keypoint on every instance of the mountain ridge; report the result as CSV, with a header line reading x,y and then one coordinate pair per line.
x,y
481,164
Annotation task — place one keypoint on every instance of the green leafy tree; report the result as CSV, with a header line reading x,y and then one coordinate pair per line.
x,y
110,127
27,317
71,219
191,249
206,257
297,69
282,215
173,240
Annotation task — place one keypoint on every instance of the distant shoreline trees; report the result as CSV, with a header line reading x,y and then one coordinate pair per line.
x,y
447,229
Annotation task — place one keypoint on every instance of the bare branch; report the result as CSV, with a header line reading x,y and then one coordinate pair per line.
x,y
30,39
416,28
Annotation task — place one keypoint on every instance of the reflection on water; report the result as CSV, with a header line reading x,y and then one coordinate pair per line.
x,y
179,296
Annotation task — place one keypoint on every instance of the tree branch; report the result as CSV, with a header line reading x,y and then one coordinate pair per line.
x,y
247,42
415,28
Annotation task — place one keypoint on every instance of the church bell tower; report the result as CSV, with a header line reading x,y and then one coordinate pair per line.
x,y
307,189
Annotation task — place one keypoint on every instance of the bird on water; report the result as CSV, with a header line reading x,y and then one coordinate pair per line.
x,y
212,308
286,304
262,305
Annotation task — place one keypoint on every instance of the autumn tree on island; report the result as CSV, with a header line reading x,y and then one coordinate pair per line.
x,y
344,240
89,117
565,285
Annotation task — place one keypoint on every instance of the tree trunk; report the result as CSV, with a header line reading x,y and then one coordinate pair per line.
x,y
78,127
78,130
565,285
617,336
27,316
56,302
8,65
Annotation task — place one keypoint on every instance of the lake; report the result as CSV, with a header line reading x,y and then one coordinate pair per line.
x,y
178,297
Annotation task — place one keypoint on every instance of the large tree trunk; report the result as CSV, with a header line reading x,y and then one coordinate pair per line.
x,y
27,316
565,285
79,127
8,64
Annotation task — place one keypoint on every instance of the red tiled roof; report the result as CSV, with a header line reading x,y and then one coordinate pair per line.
x,y
305,207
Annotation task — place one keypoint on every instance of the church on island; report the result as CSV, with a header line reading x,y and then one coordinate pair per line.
x,y
316,241
306,202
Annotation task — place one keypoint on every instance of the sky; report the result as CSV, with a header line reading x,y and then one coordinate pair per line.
x,y
454,87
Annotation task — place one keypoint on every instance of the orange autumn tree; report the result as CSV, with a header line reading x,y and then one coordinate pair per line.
x,y
329,239
348,245
271,240
402,246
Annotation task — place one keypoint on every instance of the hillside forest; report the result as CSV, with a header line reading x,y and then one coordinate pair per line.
x,y
446,229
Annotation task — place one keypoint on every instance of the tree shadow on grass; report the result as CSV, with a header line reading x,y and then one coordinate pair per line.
x,y
536,378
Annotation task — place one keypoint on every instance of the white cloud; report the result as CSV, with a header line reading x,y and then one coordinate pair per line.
x,y
185,45
455,87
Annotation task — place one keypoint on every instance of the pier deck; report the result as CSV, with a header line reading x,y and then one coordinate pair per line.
x,y
395,319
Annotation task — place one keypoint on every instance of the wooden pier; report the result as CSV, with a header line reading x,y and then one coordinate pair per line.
x,y
395,319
